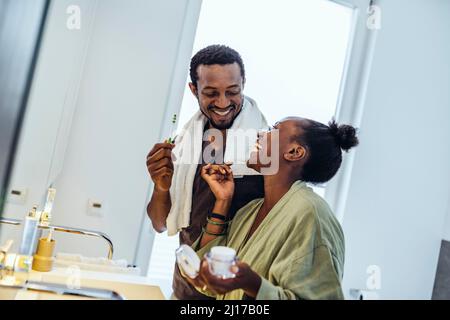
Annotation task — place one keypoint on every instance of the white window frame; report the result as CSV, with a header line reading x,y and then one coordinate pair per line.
x,y
352,95
174,101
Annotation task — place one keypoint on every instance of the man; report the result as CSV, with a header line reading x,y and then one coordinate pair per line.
x,y
181,199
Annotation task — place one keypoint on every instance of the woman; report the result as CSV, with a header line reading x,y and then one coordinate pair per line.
x,y
289,244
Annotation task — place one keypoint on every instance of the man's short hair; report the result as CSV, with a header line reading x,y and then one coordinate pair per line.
x,y
215,54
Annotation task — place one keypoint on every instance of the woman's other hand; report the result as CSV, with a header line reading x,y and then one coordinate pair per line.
x,y
220,180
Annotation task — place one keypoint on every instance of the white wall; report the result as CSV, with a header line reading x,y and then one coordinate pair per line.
x,y
119,116
120,104
399,189
446,235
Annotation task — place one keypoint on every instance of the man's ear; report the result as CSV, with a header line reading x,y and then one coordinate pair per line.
x,y
296,152
193,89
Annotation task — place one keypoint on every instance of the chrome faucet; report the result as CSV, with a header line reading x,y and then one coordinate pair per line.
x,y
44,217
17,222
13,276
14,268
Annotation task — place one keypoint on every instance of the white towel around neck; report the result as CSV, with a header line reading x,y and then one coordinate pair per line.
x,y
188,152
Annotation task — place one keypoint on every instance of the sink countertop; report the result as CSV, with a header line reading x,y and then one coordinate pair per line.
x,y
132,287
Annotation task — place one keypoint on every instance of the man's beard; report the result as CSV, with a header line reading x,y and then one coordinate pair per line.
x,y
221,126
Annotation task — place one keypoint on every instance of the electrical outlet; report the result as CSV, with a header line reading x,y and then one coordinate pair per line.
x,y
17,195
95,208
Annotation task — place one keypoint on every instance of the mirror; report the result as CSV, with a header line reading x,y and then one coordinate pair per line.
x,y
92,85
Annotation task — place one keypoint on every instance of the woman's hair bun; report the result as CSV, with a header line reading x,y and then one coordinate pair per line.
x,y
344,134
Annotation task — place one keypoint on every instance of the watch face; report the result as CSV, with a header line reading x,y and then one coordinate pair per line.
x,y
188,261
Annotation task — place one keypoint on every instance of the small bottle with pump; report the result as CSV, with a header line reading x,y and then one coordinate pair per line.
x,y
29,232
43,259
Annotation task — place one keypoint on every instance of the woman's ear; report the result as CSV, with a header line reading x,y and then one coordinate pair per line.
x,y
295,153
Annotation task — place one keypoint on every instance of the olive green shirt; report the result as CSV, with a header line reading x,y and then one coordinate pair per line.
x,y
298,249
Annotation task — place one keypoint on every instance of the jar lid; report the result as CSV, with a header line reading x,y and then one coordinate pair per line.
x,y
223,253
188,260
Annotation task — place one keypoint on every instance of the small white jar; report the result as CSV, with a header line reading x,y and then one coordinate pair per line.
x,y
220,260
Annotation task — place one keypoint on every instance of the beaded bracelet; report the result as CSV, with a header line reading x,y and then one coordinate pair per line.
x,y
213,234
217,223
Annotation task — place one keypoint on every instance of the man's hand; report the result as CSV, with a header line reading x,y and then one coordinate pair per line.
x,y
160,165
220,180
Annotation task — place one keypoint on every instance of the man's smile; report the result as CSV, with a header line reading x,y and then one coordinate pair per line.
x,y
222,113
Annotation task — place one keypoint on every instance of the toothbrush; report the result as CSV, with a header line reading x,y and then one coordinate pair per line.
x,y
50,234
172,131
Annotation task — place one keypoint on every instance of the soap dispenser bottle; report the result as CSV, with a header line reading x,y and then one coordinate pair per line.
x,y
29,233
